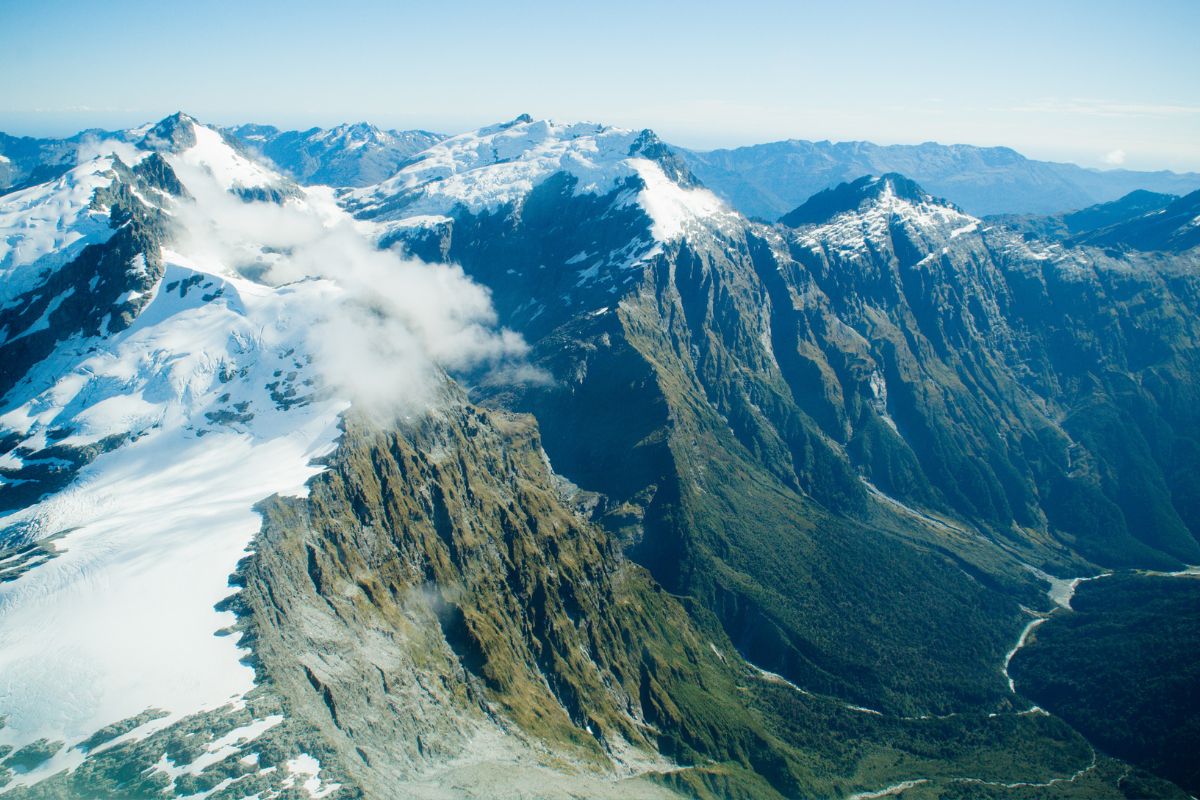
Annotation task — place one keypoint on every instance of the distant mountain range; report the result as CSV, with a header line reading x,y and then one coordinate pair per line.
x,y
763,180
27,161
768,180
348,155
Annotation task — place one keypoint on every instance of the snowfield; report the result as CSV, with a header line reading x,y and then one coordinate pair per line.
x,y
269,321
483,170
123,619
44,227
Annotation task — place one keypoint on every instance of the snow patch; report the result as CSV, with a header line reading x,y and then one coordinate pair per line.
x,y
671,206
308,768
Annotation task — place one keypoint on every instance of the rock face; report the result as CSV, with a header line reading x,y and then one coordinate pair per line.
x,y
434,620
443,599
27,161
768,180
103,287
1035,352
754,520
761,407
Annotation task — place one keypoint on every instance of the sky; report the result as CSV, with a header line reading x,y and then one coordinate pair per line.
x,y
1099,83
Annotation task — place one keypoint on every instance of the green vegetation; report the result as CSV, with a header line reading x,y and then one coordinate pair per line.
x,y
1122,669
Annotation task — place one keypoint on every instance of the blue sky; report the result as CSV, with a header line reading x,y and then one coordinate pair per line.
x,y
1098,83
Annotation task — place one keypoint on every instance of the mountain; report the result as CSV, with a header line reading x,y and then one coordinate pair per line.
x,y
347,155
780,381
1174,227
856,196
1138,221
1134,204
1081,221
27,161
768,180
536,467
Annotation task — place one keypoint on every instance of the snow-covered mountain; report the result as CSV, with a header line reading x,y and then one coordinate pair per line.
x,y
357,154
605,201
535,467
181,330
482,170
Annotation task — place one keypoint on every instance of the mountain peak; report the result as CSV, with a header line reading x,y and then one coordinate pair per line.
x,y
521,119
359,130
869,189
648,145
173,134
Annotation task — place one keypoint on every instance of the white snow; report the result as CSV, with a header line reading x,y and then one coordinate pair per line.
x,y
230,168
488,168
857,231
43,322
123,619
220,748
670,205
45,226
308,768
212,396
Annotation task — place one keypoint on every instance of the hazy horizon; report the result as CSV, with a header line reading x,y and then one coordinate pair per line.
x,y
1087,83
298,126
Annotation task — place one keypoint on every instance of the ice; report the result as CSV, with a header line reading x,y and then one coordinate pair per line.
x,y
670,205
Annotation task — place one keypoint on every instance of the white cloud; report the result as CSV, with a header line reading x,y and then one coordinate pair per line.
x,y
1116,157
93,146
397,323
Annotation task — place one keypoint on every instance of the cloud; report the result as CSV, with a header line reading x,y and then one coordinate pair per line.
x,y
92,146
1116,157
395,324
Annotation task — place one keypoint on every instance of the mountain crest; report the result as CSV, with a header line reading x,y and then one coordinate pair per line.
x,y
648,145
867,190
357,131
173,134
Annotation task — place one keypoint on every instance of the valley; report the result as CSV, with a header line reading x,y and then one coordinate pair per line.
x,y
520,457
